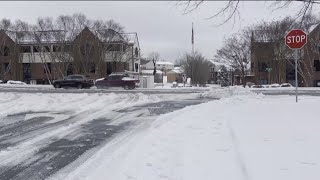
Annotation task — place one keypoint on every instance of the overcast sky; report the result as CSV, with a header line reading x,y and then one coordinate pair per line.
x,y
161,25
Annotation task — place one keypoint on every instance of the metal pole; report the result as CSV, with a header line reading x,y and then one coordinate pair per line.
x,y
296,67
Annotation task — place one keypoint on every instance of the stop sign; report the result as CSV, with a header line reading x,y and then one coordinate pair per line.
x,y
296,39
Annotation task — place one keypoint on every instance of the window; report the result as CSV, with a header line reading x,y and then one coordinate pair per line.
x,y
136,52
36,48
67,48
77,77
262,66
92,67
316,65
47,68
113,47
109,68
25,49
26,71
86,49
56,48
45,49
6,67
212,69
69,69
124,48
252,67
4,51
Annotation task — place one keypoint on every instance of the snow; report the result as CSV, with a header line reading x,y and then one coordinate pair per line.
x,y
242,136
15,82
164,63
150,71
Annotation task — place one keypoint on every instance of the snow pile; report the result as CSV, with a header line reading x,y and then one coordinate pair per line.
x,y
16,82
230,139
218,93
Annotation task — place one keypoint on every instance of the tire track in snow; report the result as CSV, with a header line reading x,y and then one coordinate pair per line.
x,y
239,157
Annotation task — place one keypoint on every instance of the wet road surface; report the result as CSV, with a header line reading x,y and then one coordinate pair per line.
x,y
25,153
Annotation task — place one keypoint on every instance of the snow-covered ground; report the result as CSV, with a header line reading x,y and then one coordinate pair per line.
x,y
243,136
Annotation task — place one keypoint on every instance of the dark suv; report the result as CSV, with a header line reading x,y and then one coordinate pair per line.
x,y
117,80
78,81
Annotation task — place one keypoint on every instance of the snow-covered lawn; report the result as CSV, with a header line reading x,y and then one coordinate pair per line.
x,y
243,136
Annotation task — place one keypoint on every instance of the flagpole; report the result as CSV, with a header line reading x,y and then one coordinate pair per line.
x,y
192,40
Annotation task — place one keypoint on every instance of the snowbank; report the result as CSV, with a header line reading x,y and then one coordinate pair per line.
x,y
244,136
218,93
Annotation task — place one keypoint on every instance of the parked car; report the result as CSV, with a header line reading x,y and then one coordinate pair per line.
x,y
256,86
275,85
76,80
286,85
1,82
117,80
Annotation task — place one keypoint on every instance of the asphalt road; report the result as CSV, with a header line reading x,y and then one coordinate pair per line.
x,y
94,90
20,160
301,92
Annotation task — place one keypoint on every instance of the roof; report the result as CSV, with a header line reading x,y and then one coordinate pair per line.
x,y
108,35
313,27
150,72
174,71
58,36
164,63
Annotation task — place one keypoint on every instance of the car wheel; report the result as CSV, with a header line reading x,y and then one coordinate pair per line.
x,y
79,86
57,85
126,87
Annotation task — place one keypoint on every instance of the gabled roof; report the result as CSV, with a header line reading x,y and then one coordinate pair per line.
x,y
109,35
58,36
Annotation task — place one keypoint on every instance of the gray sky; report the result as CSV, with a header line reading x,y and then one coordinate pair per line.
x,y
160,25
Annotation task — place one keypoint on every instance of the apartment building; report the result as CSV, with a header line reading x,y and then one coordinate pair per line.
x,y
40,56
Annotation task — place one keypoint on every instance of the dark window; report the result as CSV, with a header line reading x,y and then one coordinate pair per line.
x,y
26,72
124,48
92,67
109,68
4,51
316,64
69,69
6,67
25,49
36,49
67,48
47,67
262,66
136,65
136,52
113,47
56,48
77,77
252,67
45,49
86,49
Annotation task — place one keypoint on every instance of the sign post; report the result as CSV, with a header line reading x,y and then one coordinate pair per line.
x,y
295,40
184,78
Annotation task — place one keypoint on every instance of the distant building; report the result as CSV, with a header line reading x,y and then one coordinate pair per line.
x,y
175,75
161,65
267,69
40,56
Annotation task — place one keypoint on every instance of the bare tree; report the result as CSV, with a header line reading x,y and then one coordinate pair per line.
x,y
236,53
154,57
231,8
196,67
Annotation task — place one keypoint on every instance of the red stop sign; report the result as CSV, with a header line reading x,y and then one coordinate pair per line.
x,y
296,39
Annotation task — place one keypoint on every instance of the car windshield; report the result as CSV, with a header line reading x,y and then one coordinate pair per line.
x,y
160,90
